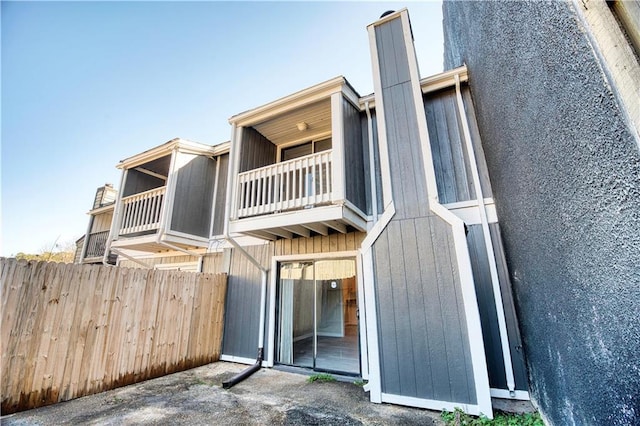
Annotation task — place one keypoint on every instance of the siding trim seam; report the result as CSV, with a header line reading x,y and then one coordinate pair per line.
x,y
472,315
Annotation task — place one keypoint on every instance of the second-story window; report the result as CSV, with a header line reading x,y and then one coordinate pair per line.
x,y
306,148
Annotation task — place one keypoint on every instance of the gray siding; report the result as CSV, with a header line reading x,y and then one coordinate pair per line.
x,y
376,160
242,308
423,336
450,157
194,196
139,182
565,170
355,180
405,155
424,343
219,203
256,151
488,313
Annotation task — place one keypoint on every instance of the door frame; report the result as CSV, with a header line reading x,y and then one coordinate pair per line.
x,y
271,331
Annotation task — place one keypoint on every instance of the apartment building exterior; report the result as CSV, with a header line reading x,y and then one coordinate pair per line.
x,y
359,233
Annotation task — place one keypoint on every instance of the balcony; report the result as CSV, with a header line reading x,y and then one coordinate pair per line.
x,y
290,185
141,212
169,198
96,245
300,166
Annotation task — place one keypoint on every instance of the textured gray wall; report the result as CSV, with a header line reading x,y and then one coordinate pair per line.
x,y
565,171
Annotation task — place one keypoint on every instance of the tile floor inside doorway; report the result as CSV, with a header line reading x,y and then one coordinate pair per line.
x,y
339,354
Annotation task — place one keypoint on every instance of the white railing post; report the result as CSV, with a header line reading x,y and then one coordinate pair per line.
x,y
297,183
141,212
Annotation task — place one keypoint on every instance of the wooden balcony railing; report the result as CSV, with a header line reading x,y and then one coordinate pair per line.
x,y
289,185
141,212
96,244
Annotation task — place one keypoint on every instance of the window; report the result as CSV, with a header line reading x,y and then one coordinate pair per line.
x,y
306,148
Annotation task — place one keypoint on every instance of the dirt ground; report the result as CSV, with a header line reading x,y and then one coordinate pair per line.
x,y
196,397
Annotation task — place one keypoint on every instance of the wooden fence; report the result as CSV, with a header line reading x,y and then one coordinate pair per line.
x,y
72,330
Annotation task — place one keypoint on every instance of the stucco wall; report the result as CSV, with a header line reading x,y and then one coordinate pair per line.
x,y
565,170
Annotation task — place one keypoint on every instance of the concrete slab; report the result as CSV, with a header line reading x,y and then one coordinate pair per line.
x,y
196,397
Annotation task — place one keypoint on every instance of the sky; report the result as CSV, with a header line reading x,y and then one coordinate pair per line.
x,y
87,84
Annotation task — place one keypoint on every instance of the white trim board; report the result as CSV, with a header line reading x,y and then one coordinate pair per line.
x,y
237,359
519,395
432,404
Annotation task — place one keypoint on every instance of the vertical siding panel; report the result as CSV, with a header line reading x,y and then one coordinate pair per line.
x,y
434,305
399,287
221,195
257,151
390,373
451,314
416,308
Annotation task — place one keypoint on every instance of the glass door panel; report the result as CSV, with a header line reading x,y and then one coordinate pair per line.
x,y
317,315
337,346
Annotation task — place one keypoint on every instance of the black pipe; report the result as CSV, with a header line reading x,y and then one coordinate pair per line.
x,y
244,374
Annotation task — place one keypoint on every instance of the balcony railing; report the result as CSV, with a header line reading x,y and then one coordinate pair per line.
x,y
141,212
96,244
289,185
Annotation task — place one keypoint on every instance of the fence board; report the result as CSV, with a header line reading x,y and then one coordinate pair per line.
x,y
72,330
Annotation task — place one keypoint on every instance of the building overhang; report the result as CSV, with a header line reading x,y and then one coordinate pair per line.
x,y
167,148
152,244
295,101
304,223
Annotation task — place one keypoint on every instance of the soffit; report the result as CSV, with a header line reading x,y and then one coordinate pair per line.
x,y
284,128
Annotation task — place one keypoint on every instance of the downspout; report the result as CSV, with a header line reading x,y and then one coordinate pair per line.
x,y
263,271
497,295
372,169
263,299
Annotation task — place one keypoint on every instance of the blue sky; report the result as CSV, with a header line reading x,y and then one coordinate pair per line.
x,y
86,84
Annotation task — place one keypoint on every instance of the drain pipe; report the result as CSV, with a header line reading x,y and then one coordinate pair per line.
x,y
263,271
263,299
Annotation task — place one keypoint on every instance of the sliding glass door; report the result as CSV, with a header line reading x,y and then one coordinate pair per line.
x,y
317,315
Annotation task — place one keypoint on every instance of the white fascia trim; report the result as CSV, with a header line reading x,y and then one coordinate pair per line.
x,y
237,359
472,314
389,17
166,148
125,242
471,214
173,253
293,101
182,237
444,79
428,84
298,217
519,395
349,254
103,209
432,404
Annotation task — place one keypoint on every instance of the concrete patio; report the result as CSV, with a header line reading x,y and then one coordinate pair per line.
x,y
196,397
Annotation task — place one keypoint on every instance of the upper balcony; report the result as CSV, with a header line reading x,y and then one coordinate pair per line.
x,y
300,165
172,198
